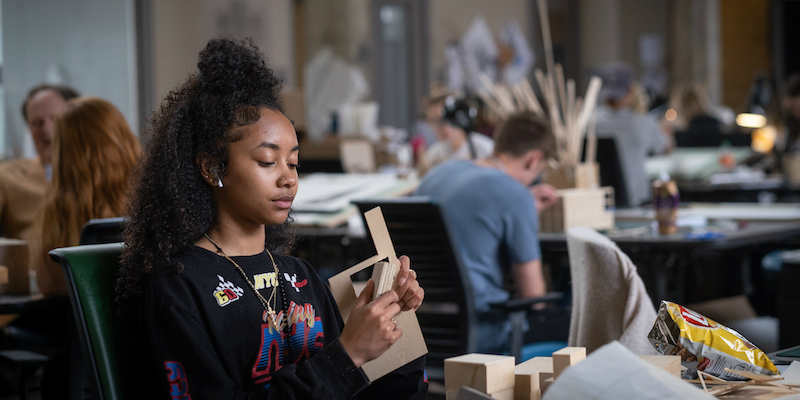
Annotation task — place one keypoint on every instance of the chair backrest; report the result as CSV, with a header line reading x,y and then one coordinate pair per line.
x,y
611,173
116,360
418,230
102,230
710,139
609,300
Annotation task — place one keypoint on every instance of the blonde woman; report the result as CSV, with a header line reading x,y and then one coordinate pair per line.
x,y
93,156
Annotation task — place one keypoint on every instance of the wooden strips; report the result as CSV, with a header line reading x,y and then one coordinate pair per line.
x,y
384,275
534,102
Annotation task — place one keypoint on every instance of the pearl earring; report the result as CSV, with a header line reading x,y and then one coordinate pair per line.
x,y
219,182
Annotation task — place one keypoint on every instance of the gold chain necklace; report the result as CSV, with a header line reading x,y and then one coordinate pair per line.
x,y
270,309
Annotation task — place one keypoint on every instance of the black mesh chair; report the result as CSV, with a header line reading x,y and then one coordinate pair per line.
x,y
611,173
447,316
711,139
102,230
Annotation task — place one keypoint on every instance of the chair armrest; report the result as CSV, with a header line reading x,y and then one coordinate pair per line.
x,y
525,303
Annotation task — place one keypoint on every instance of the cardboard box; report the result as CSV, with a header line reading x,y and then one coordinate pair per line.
x,y
725,310
14,256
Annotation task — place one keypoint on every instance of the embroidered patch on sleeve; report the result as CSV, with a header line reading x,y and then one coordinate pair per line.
x,y
178,386
226,292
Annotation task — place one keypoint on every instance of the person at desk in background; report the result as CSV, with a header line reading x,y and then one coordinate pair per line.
x,y
94,153
636,135
24,182
492,215
695,114
457,141
225,314
425,130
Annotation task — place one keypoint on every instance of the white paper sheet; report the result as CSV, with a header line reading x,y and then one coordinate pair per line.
x,y
614,372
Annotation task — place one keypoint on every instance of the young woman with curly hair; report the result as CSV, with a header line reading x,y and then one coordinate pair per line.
x,y
94,153
225,314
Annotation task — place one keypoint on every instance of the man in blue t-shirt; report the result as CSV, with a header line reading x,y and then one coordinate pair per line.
x,y
492,216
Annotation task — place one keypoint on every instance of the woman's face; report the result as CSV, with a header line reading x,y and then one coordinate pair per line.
x,y
261,177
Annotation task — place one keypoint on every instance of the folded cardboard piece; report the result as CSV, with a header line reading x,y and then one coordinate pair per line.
x,y
411,345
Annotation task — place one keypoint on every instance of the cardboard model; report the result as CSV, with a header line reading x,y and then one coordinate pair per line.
x,y
411,345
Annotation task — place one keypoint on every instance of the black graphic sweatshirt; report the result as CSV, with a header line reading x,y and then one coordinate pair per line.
x,y
208,333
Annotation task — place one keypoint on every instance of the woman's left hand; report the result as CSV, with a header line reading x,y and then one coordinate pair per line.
x,y
409,292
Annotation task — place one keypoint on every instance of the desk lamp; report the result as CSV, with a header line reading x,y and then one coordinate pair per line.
x,y
759,99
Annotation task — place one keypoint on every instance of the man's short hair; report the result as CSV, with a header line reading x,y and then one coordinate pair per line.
x,y
65,91
617,78
523,132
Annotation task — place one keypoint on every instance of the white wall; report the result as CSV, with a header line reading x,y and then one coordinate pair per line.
x,y
87,44
181,28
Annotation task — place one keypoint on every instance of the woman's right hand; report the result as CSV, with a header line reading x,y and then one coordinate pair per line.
x,y
371,328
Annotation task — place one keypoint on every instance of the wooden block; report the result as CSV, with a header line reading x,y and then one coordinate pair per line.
x,y
384,275
451,394
3,274
671,364
546,384
527,377
543,376
566,357
484,372
537,395
578,207
468,393
505,394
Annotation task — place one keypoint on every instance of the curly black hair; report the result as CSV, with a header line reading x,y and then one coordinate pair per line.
x,y
171,205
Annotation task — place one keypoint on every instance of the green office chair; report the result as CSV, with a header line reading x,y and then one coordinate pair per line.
x,y
117,367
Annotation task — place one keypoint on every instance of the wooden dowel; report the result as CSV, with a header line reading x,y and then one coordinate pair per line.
x,y
492,104
534,102
562,91
519,98
544,18
507,99
754,375
591,142
702,382
589,102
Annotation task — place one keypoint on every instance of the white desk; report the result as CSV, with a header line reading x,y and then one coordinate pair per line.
x,y
779,212
691,162
324,199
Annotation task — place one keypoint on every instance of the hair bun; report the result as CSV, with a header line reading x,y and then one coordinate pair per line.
x,y
234,67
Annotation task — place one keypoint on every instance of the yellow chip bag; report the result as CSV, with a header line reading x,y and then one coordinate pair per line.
x,y
705,345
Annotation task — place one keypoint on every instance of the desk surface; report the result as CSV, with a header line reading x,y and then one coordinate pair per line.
x,y
324,199
720,211
691,162
710,225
